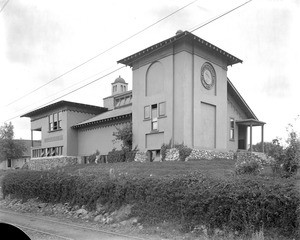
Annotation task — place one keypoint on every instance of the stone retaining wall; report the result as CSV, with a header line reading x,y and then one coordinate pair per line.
x,y
47,163
244,156
172,154
140,157
210,154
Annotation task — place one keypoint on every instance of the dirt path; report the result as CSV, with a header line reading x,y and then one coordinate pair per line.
x,y
57,229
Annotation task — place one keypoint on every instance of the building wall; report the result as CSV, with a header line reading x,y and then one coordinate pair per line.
x,y
185,98
234,111
72,134
15,163
65,137
98,138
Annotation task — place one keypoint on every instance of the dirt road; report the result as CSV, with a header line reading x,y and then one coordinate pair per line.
x,y
45,228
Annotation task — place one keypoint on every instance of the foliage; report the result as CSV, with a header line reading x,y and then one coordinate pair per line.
x,y
163,150
7,131
9,148
184,151
272,149
124,134
92,158
237,204
116,156
248,166
242,204
287,160
123,155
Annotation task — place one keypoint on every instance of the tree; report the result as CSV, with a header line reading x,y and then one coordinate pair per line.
x,y
287,160
124,134
272,149
9,148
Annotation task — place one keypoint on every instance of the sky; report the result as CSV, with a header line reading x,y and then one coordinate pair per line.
x,y
41,40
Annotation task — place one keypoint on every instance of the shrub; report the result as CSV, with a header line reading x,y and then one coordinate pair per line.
x,y
163,150
92,157
236,204
184,151
249,166
115,156
123,155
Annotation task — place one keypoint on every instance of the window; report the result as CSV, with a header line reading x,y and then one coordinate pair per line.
x,y
55,121
231,131
9,163
154,122
147,112
162,109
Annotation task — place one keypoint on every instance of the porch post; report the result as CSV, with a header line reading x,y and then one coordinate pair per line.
x,y
262,138
250,137
31,138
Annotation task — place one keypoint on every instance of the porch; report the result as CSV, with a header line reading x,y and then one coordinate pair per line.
x,y
243,126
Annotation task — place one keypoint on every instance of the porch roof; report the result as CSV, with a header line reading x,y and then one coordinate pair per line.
x,y
249,122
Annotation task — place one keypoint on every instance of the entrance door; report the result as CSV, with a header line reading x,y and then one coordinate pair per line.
x,y
242,137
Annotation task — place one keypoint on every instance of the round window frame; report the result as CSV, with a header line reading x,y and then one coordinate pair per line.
x,y
210,68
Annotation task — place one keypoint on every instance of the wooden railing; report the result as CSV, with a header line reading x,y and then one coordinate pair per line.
x,y
46,152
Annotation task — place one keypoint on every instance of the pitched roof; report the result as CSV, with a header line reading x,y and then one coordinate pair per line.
x,y
240,101
230,59
114,114
67,105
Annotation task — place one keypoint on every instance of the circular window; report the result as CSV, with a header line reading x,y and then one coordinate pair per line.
x,y
208,75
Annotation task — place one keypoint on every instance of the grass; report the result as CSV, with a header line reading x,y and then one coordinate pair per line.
x,y
216,167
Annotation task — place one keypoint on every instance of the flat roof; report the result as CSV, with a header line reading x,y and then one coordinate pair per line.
x,y
67,105
230,59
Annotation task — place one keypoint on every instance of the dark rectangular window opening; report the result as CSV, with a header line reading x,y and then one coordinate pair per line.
x,y
231,131
154,121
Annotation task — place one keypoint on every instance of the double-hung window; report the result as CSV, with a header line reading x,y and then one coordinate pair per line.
x,y
154,121
55,121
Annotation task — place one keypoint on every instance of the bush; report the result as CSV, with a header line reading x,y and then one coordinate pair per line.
x,y
92,157
235,204
184,151
251,166
115,156
123,155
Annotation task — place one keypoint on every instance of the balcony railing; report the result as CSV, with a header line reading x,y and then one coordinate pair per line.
x,y
46,152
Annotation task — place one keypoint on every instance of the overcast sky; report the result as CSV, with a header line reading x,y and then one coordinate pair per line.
x,y
40,40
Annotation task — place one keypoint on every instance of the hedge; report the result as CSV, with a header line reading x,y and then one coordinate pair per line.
x,y
242,204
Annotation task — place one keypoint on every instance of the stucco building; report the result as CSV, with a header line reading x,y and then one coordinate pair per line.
x,y
180,94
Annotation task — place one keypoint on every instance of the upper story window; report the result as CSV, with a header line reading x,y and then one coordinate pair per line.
x,y
162,109
55,121
231,129
123,101
154,121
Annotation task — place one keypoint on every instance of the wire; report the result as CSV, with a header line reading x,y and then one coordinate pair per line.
x,y
85,85
222,15
77,83
4,5
96,56
202,25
